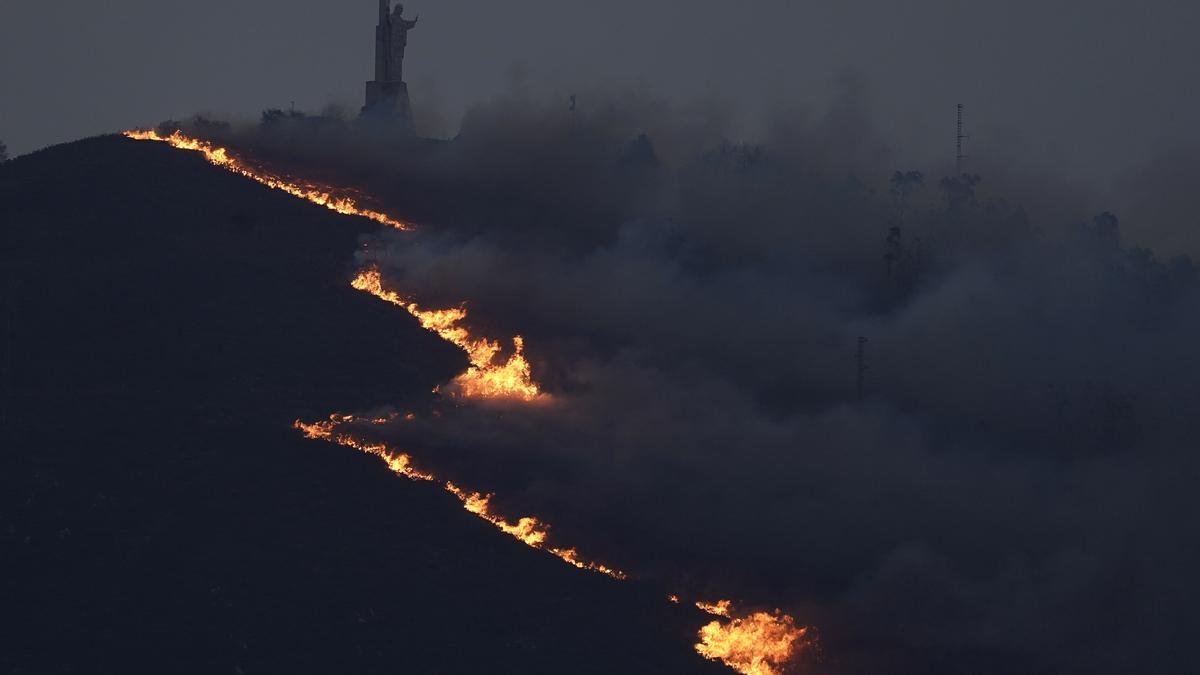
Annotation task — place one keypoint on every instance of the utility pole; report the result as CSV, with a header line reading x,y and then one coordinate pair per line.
x,y
959,155
861,358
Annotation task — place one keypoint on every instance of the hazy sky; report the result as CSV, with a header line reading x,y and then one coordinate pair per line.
x,y
1081,85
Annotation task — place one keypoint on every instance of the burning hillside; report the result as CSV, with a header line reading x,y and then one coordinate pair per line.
x,y
759,643
974,489
191,317
342,201
528,530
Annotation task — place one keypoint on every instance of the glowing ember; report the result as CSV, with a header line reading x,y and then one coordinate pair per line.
x,y
317,194
719,608
759,644
485,378
529,530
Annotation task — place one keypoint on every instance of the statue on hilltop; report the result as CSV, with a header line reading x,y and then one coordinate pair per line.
x,y
387,95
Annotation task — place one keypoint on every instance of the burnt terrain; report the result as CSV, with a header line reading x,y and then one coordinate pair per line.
x,y
165,323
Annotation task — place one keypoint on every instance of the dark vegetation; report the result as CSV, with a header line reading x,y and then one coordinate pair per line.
x,y
166,322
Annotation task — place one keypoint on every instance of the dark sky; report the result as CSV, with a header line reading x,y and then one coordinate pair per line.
x,y
1080,85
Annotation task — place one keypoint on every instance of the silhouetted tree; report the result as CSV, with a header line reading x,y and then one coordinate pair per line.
x,y
1106,231
893,250
739,157
903,262
1101,238
168,127
287,122
640,152
1156,282
1183,271
275,116
960,191
206,126
903,185
3,152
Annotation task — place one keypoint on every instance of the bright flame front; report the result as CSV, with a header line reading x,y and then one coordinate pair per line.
x,y
485,378
318,194
761,643
529,530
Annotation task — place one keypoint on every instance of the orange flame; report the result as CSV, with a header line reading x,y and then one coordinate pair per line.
x,y
528,530
759,644
718,608
317,194
399,463
484,379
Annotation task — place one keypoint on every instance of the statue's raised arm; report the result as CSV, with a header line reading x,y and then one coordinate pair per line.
x,y
400,23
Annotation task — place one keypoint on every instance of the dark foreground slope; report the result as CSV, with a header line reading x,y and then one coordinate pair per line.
x,y
166,323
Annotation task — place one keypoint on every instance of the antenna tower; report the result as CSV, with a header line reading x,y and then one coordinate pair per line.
x,y
959,156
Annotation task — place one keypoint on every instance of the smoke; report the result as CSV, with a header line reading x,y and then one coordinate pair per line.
x,y
1012,491
1156,194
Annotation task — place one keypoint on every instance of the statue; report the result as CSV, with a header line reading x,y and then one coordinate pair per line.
x,y
391,37
387,95
399,29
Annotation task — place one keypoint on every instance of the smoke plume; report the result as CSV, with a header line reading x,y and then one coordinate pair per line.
x,y
1010,489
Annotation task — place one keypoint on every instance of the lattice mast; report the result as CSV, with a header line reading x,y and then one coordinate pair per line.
x,y
959,145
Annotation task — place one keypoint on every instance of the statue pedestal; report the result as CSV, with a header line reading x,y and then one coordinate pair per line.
x,y
388,107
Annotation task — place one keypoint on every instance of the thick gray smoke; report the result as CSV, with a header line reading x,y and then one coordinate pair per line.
x,y
1010,491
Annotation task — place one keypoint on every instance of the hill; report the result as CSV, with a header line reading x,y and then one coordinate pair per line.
x,y
166,322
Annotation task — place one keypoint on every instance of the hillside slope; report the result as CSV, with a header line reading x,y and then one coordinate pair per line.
x,y
166,322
